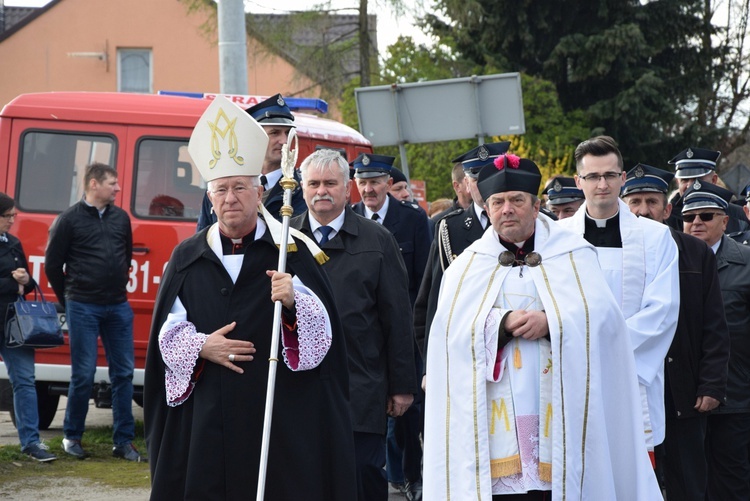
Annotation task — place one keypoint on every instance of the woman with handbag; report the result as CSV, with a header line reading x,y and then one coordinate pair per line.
x,y
14,281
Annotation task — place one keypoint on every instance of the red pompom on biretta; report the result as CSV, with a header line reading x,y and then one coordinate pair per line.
x,y
510,160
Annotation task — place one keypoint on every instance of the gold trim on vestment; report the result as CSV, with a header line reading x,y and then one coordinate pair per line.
x,y
447,383
475,390
506,466
588,370
560,364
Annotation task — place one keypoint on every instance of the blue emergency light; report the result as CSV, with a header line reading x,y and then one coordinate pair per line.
x,y
294,103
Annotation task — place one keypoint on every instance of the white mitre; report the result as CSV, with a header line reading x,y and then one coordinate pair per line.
x,y
227,141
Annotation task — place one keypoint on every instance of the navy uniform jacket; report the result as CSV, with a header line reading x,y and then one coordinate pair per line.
x,y
462,228
370,288
409,224
733,264
696,363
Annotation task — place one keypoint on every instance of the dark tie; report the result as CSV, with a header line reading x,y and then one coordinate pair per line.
x,y
325,231
487,219
375,216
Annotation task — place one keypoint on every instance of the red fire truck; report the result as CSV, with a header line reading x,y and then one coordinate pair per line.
x,y
47,139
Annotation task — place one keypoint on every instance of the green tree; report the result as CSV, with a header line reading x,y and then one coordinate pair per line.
x,y
635,68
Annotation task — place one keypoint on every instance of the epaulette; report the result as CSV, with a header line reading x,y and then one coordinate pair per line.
x,y
548,213
410,204
452,214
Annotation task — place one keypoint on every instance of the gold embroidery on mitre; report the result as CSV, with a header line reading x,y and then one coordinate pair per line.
x,y
216,132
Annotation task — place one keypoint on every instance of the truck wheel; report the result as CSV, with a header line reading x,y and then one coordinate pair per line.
x,y
46,406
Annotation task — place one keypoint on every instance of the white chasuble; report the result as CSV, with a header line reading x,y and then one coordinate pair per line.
x,y
644,278
596,437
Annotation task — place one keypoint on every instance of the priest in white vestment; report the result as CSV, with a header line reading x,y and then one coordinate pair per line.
x,y
528,392
640,262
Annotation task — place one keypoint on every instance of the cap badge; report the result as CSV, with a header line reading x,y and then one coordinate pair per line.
x,y
689,153
557,186
365,160
697,185
280,101
483,154
639,173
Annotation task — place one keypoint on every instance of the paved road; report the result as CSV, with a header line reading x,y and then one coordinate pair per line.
x,y
73,489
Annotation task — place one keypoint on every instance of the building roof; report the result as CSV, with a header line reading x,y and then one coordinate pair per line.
x,y
15,18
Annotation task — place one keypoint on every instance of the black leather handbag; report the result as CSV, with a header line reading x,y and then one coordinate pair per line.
x,y
32,323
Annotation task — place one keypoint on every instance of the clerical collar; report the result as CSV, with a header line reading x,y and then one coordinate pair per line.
x,y
231,246
606,235
602,223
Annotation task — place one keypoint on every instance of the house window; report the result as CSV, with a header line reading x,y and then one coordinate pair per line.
x,y
134,70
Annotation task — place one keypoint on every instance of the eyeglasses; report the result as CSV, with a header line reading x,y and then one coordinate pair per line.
x,y
705,216
608,177
9,216
237,190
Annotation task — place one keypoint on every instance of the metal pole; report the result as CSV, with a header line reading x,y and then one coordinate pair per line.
x,y
232,47
288,161
475,81
395,89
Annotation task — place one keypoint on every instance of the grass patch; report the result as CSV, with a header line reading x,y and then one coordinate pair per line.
x,y
101,467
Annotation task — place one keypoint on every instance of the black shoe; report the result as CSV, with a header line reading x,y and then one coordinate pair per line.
x,y
401,488
40,452
414,491
129,452
73,447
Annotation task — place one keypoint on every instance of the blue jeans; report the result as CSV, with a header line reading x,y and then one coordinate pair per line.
x,y
114,323
20,365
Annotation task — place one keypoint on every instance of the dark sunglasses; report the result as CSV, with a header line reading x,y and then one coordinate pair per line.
x,y
705,216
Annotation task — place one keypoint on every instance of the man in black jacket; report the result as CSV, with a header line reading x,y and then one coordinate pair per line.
x,y
696,364
93,241
728,436
370,286
374,174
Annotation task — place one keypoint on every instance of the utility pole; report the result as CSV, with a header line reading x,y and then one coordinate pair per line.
x,y
232,47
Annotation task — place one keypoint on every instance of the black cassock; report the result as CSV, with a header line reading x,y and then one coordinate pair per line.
x,y
209,447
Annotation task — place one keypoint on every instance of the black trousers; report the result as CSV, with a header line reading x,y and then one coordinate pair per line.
x,y
682,459
728,440
369,450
